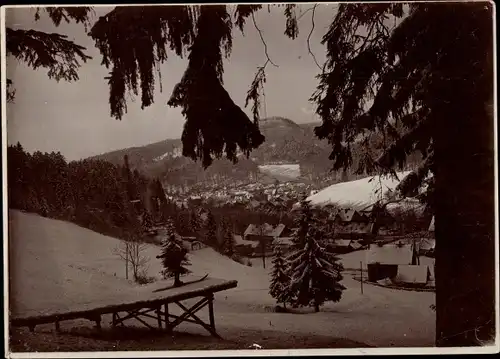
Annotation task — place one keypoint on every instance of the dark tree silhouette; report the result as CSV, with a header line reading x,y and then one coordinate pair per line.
x,y
91,193
204,32
432,92
50,51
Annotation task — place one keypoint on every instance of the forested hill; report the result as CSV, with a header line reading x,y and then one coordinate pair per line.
x,y
93,193
286,143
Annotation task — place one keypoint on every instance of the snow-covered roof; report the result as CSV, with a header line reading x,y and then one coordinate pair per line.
x,y
355,245
390,254
278,230
412,274
356,194
265,230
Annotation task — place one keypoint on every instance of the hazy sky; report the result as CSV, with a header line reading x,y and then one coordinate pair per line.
x,y
74,118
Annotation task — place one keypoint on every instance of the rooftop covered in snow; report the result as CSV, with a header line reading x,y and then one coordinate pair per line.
x,y
357,194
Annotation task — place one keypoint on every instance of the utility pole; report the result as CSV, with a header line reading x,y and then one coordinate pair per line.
x,y
126,259
262,244
361,266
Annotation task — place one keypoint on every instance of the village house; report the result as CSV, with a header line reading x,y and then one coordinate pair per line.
x,y
266,234
399,263
351,222
342,246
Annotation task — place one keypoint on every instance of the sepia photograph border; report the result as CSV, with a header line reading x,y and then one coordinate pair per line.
x,y
223,353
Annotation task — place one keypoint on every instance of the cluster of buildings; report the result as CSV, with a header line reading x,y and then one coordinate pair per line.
x,y
259,238
243,194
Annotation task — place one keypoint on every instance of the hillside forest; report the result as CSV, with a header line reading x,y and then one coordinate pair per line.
x,y
111,198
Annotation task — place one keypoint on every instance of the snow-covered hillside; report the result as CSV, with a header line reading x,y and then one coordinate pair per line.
x,y
54,264
356,194
285,171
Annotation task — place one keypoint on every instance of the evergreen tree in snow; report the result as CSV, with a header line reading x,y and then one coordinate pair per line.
x,y
315,274
227,245
194,221
302,223
173,256
211,230
147,222
279,278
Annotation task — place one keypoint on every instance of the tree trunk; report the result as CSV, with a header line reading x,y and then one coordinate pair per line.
x,y
177,280
316,307
464,227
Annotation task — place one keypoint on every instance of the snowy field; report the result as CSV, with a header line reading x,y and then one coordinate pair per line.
x,y
356,194
288,171
52,263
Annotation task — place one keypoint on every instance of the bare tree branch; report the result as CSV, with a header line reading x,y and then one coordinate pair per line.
x,y
133,253
305,12
309,38
263,41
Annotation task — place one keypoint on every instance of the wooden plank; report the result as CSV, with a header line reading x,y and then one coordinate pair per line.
x,y
200,304
158,316
143,322
166,316
70,315
211,312
119,321
192,314
92,314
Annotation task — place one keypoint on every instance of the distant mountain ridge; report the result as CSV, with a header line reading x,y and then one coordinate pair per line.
x,y
286,143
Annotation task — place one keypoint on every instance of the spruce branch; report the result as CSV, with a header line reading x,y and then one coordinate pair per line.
x,y
51,51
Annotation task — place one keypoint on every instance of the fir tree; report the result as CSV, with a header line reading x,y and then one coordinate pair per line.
x,y
227,245
315,274
173,256
279,278
147,221
194,222
302,223
211,230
